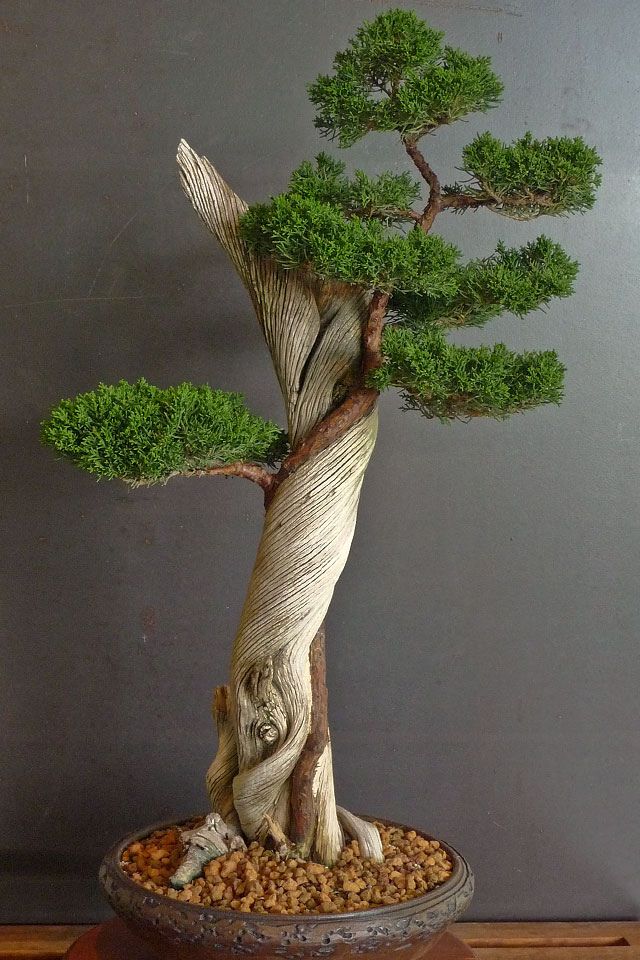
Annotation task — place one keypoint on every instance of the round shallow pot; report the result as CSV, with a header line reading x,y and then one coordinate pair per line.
x,y
184,931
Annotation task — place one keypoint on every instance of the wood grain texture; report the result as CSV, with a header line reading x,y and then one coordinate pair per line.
x,y
303,548
553,941
38,941
488,941
313,330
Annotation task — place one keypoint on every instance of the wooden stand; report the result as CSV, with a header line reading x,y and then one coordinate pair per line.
x,y
113,941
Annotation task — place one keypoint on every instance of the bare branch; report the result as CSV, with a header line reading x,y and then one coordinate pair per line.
x,y
434,204
501,205
250,471
400,213
464,201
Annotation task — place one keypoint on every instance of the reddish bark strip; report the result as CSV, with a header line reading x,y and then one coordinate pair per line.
x,y
303,818
372,333
356,405
434,204
460,201
250,471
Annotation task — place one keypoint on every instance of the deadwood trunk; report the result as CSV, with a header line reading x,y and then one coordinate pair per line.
x,y
272,774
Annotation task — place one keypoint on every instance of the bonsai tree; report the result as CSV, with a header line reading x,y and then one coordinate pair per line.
x,y
354,294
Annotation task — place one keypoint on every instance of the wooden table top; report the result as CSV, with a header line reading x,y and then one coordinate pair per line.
x,y
488,941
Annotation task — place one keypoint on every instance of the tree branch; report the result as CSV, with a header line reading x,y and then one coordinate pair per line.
x,y
463,201
458,201
250,471
356,405
470,201
434,204
397,214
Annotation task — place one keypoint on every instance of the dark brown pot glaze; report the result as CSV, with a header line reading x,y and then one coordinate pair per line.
x,y
184,931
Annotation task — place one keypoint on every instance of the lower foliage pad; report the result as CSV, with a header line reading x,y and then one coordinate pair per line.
x,y
143,434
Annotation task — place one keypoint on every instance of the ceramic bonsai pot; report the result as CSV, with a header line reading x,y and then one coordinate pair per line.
x,y
183,931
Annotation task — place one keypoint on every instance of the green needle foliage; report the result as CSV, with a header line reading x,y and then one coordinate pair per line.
x,y
388,198
396,75
441,379
513,280
337,228
531,177
142,434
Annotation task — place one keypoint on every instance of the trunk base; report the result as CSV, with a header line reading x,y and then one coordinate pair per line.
x,y
326,903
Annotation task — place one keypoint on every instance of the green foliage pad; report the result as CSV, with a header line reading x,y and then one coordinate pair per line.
x,y
387,197
337,229
441,379
531,177
513,280
396,75
143,434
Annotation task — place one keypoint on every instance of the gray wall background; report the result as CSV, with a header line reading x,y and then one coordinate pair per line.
x,y
483,650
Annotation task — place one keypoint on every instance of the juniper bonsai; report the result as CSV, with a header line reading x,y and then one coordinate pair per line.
x,y
354,294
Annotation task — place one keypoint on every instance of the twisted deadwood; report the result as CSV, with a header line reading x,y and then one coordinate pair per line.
x,y
313,332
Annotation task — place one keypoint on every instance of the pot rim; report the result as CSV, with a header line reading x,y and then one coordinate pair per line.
x,y
460,876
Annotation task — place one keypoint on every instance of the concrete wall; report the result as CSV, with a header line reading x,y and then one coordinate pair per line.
x,y
490,607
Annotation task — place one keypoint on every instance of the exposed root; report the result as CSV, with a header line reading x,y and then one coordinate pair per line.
x,y
328,840
367,835
210,840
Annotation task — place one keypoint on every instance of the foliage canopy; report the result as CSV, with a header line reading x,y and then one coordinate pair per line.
x,y
513,280
396,75
320,223
444,380
388,197
143,434
530,177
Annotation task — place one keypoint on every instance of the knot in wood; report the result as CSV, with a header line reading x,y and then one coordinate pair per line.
x,y
267,731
